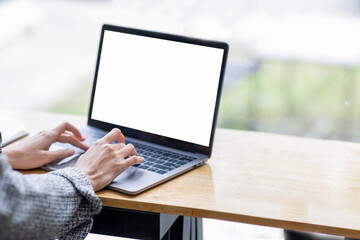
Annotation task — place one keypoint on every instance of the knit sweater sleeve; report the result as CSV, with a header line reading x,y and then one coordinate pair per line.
x,y
59,204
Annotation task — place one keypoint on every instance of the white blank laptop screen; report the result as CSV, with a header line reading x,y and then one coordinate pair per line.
x,y
159,86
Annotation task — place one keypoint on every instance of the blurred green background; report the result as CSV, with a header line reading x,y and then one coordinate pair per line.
x,y
306,99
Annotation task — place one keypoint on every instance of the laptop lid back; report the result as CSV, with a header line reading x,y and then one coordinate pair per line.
x,y
158,87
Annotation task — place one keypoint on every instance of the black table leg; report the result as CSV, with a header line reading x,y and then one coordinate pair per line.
x,y
186,228
146,225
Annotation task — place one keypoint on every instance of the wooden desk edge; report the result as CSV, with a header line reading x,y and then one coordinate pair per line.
x,y
127,202
203,213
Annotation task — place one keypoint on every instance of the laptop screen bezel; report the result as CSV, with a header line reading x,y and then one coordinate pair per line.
x,y
146,136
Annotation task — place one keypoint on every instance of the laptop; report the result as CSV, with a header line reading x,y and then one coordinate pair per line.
x,y
163,92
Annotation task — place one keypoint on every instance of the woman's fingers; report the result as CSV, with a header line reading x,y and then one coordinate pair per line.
x,y
131,161
128,150
69,138
113,135
105,161
58,154
66,126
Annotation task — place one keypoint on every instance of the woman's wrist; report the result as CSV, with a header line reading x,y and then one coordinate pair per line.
x,y
11,155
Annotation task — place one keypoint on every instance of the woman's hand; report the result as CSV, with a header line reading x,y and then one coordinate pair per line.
x,y
105,161
34,152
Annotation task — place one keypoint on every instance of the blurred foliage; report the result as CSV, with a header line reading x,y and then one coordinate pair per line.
x,y
294,98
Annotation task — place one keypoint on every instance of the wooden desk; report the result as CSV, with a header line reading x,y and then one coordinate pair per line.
x,y
258,178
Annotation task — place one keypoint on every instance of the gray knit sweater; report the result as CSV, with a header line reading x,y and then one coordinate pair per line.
x,y
59,204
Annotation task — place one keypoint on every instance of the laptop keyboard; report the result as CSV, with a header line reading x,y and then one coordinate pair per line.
x,y
156,160
159,160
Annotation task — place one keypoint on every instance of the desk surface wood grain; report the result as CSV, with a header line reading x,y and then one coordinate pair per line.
x,y
258,178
